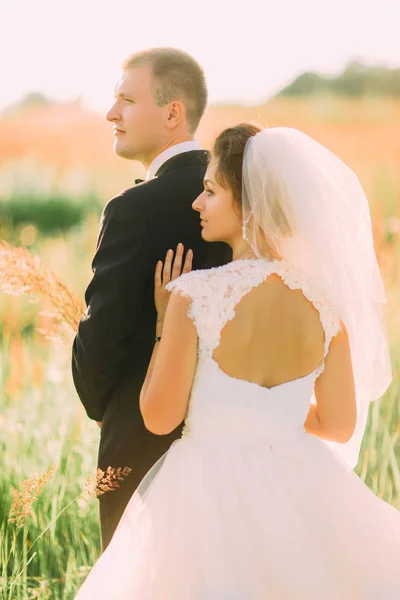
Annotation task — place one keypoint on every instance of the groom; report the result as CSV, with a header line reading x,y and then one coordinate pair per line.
x,y
159,102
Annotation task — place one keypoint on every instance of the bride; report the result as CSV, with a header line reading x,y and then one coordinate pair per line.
x,y
272,361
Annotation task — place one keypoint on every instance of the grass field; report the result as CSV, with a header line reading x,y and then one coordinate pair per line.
x,y
41,420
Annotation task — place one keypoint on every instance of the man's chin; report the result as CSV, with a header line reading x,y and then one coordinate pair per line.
x,y
124,152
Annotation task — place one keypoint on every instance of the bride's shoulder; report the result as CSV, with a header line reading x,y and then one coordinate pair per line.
x,y
200,282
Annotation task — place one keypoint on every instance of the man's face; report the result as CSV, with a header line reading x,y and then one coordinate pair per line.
x,y
138,122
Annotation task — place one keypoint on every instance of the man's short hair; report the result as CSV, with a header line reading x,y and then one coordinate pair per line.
x,y
177,76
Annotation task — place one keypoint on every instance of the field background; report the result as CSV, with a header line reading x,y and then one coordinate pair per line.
x,y
66,151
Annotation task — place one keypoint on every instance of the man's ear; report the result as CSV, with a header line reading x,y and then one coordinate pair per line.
x,y
175,114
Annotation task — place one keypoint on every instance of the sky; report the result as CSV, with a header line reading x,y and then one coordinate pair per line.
x,y
249,49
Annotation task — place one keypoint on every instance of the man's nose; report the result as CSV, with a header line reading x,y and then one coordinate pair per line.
x,y
113,114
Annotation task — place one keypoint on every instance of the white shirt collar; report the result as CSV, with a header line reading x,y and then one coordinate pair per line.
x,y
161,158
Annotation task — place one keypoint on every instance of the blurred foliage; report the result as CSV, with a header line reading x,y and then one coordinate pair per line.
x,y
34,99
37,99
357,80
52,214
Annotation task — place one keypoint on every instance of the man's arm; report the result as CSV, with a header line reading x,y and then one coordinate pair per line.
x,y
114,300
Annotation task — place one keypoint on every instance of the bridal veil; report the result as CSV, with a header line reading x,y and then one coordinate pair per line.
x,y
300,200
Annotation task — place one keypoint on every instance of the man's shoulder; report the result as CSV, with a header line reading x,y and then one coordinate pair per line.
x,y
140,197
136,192
131,200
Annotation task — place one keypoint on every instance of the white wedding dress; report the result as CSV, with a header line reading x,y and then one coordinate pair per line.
x,y
247,505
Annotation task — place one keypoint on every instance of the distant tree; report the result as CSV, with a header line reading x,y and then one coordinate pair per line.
x,y
38,99
304,85
357,80
35,99
352,82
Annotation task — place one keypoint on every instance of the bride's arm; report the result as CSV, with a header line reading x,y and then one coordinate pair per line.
x,y
334,415
165,393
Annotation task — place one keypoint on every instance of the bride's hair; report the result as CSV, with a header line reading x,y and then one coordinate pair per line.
x,y
228,152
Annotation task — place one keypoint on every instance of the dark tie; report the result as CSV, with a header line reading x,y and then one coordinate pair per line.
x,y
138,181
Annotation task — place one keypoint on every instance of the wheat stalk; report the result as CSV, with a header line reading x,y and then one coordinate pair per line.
x,y
104,481
23,273
29,491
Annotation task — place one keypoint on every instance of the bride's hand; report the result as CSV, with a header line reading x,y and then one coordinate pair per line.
x,y
172,270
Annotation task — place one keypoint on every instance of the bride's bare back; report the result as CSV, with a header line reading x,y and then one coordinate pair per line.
x,y
276,336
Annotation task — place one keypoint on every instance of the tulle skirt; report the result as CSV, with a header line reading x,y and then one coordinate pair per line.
x,y
221,519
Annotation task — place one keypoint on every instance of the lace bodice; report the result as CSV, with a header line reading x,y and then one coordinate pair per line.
x,y
215,293
225,407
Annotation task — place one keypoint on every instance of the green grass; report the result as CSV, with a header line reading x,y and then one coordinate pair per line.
x,y
44,427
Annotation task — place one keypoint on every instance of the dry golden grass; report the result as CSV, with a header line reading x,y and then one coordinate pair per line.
x,y
28,493
24,273
105,481
31,488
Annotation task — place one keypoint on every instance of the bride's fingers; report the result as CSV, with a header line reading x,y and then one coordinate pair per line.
x,y
187,267
177,265
166,278
157,274
173,266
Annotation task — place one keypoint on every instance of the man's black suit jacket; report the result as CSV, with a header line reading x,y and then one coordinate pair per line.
x,y
115,340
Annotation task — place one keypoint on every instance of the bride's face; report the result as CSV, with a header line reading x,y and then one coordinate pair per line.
x,y
221,219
